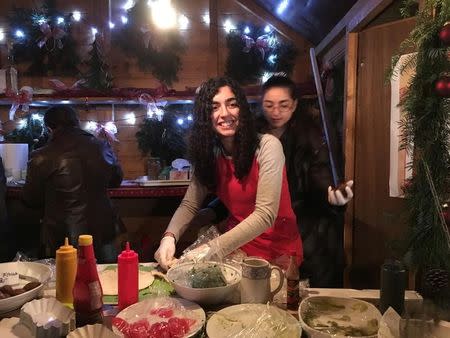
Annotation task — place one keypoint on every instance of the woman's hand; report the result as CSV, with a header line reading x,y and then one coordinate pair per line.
x,y
337,197
166,251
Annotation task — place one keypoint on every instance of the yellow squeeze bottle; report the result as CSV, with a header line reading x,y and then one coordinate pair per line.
x,y
66,270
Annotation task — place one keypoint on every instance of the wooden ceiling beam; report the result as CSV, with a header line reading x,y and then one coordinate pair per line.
x,y
357,17
285,30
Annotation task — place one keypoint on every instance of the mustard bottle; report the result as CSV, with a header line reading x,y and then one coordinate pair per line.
x,y
66,270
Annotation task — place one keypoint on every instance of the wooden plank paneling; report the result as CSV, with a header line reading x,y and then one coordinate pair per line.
x,y
377,217
351,68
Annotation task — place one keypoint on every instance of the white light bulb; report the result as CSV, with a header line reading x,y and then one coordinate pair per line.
x,y
163,14
189,117
76,16
180,121
282,6
41,20
60,20
111,25
272,58
94,31
183,22
23,123
124,19
205,18
20,34
37,117
91,126
130,118
2,35
267,29
228,26
127,5
247,30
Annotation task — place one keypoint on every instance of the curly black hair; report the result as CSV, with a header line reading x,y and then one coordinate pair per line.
x,y
204,140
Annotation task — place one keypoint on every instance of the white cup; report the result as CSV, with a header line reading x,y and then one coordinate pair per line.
x,y
255,283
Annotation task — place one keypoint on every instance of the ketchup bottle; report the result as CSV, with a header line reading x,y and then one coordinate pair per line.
x,y
128,277
87,291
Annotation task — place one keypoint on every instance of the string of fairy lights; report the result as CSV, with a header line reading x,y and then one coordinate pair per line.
x,y
164,16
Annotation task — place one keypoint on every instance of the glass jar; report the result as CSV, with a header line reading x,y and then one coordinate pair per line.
x,y
153,168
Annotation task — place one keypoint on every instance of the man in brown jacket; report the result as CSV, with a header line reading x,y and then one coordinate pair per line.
x,y
69,178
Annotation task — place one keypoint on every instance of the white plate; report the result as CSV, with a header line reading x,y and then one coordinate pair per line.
x,y
157,183
182,309
253,321
342,311
36,271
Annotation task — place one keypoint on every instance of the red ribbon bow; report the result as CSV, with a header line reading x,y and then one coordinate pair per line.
x,y
22,98
56,34
262,44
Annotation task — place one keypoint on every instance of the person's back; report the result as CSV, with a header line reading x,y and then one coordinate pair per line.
x,y
69,178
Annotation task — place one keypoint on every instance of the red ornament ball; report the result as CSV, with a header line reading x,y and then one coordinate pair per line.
x,y
444,34
442,86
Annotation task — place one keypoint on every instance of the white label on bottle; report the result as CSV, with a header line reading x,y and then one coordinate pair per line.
x,y
9,278
95,290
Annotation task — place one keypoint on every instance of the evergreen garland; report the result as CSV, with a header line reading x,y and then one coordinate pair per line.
x,y
156,51
57,55
258,52
97,76
425,132
33,133
165,139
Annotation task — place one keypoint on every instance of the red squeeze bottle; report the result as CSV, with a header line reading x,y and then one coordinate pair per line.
x,y
87,291
128,277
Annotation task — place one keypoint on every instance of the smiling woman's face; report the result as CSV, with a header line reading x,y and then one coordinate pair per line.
x,y
225,113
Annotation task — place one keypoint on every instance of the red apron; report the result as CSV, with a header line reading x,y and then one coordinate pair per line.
x,y
281,239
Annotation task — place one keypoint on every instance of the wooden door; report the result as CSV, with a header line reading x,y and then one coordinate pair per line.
x,y
378,219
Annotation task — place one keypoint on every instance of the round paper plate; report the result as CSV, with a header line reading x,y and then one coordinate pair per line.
x,y
253,320
161,310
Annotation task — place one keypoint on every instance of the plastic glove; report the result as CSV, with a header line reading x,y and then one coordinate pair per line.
x,y
166,251
335,196
204,252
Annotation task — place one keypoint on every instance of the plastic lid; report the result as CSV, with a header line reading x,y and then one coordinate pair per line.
x,y
66,248
127,253
85,240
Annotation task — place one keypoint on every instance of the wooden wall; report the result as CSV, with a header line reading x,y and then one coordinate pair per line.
x,y
378,219
200,54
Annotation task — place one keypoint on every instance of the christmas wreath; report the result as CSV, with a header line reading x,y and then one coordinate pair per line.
x,y
156,51
43,37
255,51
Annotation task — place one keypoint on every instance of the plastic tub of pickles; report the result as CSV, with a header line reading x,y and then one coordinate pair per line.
x,y
205,282
324,317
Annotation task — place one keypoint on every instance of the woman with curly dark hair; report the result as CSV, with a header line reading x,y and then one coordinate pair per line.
x,y
245,170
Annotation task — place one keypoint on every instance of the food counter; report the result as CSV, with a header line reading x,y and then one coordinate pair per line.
x,y
144,210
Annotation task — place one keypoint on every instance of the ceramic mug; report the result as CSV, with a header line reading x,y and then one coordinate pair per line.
x,y
255,283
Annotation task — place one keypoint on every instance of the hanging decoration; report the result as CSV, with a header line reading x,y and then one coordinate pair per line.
x,y
444,34
42,37
255,51
21,99
165,138
31,130
97,76
442,86
157,51
425,128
